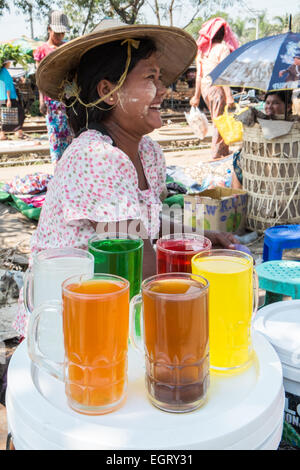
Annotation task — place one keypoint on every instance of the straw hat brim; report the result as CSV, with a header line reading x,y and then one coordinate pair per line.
x,y
176,50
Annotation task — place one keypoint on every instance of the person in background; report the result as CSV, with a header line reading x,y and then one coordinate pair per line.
x,y
296,102
59,133
216,41
9,99
274,107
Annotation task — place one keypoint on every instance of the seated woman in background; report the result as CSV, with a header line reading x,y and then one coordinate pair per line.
x,y
275,102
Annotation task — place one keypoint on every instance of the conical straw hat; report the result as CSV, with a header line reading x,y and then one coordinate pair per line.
x,y
176,50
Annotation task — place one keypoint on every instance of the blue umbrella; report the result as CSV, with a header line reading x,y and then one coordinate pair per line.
x,y
270,63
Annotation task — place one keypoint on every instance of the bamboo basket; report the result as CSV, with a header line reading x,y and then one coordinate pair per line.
x,y
9,115
271,177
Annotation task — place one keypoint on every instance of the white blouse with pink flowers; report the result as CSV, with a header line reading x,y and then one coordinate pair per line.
x,y
96,181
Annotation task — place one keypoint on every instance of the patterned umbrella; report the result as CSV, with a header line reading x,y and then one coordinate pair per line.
x,y
270,63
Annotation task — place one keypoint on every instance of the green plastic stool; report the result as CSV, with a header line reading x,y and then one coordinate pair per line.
x,y
279,278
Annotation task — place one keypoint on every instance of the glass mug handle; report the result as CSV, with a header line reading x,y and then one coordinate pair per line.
x,y
256,293
54,368
135,308
28,291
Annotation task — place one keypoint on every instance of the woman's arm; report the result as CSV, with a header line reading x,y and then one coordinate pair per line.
x,y
195,100
219,239
8,100
229,98
43,106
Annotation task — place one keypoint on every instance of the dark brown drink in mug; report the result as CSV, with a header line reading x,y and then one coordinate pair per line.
x,y
175,317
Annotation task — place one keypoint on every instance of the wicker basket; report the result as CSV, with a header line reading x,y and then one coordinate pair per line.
x,y
9,115
271,177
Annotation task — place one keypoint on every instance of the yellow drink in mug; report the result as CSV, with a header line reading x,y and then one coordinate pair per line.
x,y
233,301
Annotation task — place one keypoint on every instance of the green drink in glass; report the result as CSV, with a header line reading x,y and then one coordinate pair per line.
x,y
120,254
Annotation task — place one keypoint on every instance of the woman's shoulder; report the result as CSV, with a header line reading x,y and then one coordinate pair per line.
x,y
147,145
89,142
93,147
40,52
221,48
4,73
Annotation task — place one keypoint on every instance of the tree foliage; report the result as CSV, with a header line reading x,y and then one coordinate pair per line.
x,y
3,7
84,15
245,28
8,52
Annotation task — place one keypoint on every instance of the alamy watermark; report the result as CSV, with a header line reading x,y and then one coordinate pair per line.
x,y
158,220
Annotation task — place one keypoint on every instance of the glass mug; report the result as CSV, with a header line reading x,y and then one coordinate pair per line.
x,y
42,282
233,301
174,317
120,254
95,314
175,251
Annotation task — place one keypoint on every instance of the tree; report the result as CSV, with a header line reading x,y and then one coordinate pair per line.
x,y
83,15
170,12
283,23
196,24
264,26
128,11
14,54
3,7
239,27
296,23
33,9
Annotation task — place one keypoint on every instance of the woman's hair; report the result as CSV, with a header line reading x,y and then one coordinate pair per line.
x,y
283,95
107,62
219,36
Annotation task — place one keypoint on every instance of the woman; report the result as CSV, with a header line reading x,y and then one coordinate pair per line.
x,y
57,125
112,176
275,102
9,99
215,42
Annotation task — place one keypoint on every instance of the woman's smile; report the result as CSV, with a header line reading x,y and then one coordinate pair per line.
x,y
140,98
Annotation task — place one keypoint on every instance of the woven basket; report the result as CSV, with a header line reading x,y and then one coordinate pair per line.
x,y
9,115
271,177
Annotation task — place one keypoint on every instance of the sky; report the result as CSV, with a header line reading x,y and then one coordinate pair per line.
x,y
13,25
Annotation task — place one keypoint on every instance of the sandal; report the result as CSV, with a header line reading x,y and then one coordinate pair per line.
x,y
20,136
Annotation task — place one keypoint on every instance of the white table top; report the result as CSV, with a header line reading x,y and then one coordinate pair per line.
x,y
239,413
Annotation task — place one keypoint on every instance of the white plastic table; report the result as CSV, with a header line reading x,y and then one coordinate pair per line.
x,y
242,412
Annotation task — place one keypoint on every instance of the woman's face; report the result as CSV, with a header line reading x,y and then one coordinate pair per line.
x,y
140,98
56,38
274,105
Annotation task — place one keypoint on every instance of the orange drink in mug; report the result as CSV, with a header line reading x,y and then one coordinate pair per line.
x,y
233,299
95,313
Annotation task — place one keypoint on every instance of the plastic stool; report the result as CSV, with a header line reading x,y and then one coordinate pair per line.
x,y
279,278
279,238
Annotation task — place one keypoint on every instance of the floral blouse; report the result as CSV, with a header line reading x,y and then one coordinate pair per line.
x,y
96,181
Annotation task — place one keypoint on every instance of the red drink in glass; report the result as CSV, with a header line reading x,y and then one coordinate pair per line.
x,y
174,252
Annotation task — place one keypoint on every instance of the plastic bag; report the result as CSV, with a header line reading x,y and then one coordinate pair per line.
x,y
197,122
229,129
